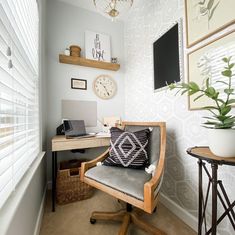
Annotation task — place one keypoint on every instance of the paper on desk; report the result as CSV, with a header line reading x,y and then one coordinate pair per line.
x,y
111,121
103,134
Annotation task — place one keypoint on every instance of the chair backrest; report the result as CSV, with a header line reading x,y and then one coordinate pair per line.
x,y
154,144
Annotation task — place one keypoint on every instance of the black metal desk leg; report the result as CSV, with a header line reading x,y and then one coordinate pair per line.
x,y
200,218
54,173
214,168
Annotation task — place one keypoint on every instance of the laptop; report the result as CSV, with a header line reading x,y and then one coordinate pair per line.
x,y
75,129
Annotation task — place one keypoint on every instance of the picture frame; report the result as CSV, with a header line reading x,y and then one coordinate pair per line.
x,y
178,22
205,18
80,84
97,46
206,61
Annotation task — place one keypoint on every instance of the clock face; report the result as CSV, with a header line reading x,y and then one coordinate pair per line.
x,y
104,87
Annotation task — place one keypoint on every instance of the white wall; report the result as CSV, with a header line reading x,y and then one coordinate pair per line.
x,y
147,20
66,26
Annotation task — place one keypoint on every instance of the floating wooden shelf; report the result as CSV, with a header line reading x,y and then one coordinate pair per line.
x,y
88,63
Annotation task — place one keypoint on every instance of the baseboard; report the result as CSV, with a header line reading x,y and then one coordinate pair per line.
x,y
187,218
40,214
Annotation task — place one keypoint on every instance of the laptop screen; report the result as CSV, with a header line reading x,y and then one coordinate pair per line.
x,y
74,127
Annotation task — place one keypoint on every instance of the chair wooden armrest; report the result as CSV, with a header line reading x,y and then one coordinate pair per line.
x,y
87,165
150,186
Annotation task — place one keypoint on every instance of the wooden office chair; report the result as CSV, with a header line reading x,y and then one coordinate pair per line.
x,y
133,186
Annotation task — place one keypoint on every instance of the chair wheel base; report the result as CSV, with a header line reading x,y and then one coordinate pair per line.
x,y
92,221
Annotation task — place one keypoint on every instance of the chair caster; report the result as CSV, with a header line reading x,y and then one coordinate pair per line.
x,y
92,221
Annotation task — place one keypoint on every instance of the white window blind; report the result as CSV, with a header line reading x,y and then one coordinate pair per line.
x,y
19,91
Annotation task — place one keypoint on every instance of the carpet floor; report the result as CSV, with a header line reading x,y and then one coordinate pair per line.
x,y
74,218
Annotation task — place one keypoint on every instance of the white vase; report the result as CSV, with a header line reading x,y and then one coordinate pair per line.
x,y
222,142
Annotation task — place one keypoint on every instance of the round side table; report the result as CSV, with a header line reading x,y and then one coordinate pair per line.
x,y
204,156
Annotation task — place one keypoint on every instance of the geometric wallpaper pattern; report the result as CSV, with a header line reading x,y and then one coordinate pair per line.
x,y
146,21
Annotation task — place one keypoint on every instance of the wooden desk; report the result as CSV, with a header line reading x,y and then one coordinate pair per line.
x,y
60,143
204,156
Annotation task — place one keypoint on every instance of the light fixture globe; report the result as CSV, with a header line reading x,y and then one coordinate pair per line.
x,y
113,8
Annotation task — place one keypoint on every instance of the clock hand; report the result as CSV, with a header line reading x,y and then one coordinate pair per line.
x,y
105,88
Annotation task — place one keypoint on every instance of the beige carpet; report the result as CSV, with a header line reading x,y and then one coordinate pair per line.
x,y
73,219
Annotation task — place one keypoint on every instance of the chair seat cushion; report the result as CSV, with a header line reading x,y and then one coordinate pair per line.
x,y
128,149
126,180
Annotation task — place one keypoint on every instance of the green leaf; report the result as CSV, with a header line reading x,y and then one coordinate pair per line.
x,y
228,91
227,73
221,101
229,120
183,92
172,86
213,10
223,82
231,101
191,92
207,82
222,118
231,66
225,59
194,86
198,97
210,107
210,4
211,118
210,92
225,110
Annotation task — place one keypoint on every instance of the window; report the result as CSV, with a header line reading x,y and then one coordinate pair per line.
x,y
19,91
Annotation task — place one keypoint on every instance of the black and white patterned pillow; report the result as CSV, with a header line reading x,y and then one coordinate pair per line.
x,y
128,149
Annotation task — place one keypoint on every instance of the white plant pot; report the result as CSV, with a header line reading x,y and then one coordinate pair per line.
x,y
222,142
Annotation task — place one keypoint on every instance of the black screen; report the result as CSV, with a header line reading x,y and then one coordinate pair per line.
x,y
166,58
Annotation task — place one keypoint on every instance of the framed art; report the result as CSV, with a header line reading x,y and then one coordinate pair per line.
x,y
204,18
168,53
78,84
97,46
205,62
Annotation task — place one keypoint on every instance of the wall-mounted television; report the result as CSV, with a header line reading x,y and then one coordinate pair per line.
x,y
166,58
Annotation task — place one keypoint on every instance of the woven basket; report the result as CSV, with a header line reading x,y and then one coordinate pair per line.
x,y
75,50
69,187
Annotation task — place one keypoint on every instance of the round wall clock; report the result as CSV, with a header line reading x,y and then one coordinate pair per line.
x,y
105,87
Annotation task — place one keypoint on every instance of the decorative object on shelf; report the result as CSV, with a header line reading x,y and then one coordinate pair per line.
x,y
221,133
105,87
113,8
67,52
114,60
97,46
88,63
75,50
78,84
204,18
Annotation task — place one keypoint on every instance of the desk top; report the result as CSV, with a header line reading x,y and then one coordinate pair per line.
x,y
204,153
60,143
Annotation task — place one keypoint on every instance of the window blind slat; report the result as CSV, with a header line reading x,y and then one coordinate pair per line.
x,y
19,101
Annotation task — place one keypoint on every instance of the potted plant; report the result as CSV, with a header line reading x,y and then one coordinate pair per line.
x,y
221,123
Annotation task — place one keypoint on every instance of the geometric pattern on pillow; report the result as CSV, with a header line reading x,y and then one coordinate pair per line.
x,y
128,149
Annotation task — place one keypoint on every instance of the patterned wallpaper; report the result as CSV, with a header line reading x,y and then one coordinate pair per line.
x,y
147,20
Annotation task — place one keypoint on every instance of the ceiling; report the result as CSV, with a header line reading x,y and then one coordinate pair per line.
x,y
88,5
